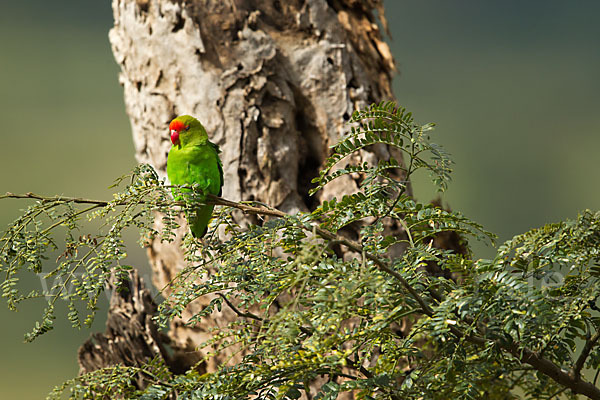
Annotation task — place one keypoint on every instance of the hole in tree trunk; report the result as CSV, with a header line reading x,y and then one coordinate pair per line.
x,y
179,24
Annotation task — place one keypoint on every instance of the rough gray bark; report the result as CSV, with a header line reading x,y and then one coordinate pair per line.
x,y
274,82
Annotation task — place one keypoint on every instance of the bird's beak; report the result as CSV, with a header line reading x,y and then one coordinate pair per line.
x,y
174,137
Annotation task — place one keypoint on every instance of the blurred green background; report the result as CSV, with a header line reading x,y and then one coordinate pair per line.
x,y
513,87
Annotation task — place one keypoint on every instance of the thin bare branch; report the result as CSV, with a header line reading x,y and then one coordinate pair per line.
x,y
587,348
237,311
62,199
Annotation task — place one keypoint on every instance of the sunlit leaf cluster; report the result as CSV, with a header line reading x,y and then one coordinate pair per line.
x,y
78,266
319,313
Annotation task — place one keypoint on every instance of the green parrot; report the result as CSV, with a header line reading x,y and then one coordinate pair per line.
x,y
193,159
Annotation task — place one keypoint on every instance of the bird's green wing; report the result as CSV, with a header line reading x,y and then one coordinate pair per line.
x,y
217,151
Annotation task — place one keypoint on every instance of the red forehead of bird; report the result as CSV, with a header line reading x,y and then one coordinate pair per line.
x,y
176,125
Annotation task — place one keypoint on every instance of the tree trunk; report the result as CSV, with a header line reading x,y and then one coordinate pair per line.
x,y
274,83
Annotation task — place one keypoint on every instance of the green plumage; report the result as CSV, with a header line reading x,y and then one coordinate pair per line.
x,y
193,159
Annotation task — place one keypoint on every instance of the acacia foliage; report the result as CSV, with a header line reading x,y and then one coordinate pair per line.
x,y
495,329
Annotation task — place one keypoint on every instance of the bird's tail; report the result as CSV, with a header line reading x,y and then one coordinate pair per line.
x,y
200,219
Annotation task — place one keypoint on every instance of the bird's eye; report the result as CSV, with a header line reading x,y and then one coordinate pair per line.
x,y
187,128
